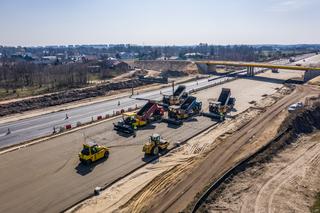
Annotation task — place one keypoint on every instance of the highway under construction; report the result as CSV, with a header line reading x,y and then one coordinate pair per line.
x,y
47,176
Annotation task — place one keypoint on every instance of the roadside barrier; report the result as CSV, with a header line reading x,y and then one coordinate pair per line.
x,y
130,109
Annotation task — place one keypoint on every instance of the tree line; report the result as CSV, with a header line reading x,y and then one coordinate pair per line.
x,y
14,75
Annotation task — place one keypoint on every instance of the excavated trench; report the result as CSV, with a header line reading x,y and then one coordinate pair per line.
x,y
305,121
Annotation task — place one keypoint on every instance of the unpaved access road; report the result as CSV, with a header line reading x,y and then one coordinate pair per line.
x,y
220,159
287,183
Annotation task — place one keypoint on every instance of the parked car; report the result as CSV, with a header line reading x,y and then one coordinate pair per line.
x,y
295,106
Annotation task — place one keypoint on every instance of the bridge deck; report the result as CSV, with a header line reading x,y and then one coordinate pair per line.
x,y
262,65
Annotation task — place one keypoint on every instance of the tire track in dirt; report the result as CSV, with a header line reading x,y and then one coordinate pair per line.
x,y
174,200
137,203
267,193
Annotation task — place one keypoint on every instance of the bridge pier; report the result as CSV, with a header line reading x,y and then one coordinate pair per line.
x,y
212,68
310,74
250,71
207,68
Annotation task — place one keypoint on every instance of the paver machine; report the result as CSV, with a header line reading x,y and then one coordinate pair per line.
x,y
155,144
188,108
219,109
178,96
130,122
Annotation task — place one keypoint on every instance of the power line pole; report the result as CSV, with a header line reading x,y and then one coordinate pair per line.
x,y
172,87
132,92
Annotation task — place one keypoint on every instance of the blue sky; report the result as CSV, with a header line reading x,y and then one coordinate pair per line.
x,y
159,22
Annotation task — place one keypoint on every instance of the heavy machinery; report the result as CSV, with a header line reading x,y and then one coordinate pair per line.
x,y
151,111
178,96
188,108
155,144
92,152
292,59
219,109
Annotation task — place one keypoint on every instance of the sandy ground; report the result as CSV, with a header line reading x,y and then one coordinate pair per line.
x,y
288,183
132,192
315,81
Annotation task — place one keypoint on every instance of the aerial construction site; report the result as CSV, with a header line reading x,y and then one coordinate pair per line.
x,y
109,106
204,142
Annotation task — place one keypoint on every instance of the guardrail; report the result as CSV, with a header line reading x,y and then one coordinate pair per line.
x,y
98,118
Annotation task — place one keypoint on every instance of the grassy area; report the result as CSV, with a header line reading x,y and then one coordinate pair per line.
x,y
94,77
28,92
316,205
22,92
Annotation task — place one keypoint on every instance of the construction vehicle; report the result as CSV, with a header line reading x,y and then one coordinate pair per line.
x,y
188,108
219,109
92,152
292,59
154,145
178,96
151,111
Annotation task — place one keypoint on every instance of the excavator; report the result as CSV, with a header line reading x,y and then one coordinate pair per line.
x,y
130,122
178,96
219,109
188,108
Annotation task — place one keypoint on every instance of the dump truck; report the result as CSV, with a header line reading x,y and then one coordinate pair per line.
x,y
130,122
218,109
178,96
155,144
188,108
92,152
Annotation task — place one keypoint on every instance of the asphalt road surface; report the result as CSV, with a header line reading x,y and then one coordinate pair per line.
x,y
38,126
48,177
35,127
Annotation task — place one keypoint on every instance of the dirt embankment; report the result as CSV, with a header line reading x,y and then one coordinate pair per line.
x,y
282,178
186,67
65,97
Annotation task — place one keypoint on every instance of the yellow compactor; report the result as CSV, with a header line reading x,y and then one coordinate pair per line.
x,y
155,144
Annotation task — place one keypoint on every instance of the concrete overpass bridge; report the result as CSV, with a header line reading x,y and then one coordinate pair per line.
x,y
310,72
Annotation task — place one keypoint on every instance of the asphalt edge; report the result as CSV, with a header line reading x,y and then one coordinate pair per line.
x,y
106,186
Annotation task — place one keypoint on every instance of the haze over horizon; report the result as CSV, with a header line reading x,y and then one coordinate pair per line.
x,y
158,22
